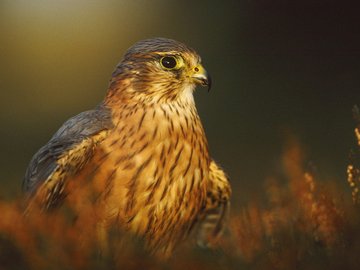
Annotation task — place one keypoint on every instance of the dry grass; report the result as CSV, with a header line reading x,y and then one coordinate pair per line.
x,y
300,220
353,169
302,224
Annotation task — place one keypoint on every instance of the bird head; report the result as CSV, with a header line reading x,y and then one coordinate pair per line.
x,y
159,70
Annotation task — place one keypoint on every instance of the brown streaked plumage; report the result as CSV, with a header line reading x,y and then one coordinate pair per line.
x,y
140,159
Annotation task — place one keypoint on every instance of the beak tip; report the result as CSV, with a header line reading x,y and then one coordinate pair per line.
x,y
209,83
203,78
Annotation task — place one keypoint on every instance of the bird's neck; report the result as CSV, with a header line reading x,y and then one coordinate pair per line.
x,y
166,119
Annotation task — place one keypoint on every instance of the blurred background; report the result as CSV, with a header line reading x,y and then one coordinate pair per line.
x,y
279,68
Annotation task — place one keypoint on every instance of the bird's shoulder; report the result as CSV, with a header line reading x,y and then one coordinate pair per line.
x,y
85,124
69,148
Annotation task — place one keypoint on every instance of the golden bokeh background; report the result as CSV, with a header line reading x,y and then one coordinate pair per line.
x,y
278,68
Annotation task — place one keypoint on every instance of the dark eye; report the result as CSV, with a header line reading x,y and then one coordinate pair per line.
x,y
168,62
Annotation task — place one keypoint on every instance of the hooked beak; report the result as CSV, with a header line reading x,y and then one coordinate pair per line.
x,y
201,76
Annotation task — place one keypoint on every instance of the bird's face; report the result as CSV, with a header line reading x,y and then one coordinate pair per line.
x,y
161,70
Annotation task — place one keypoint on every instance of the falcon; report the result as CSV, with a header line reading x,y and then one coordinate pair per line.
x,y
140,159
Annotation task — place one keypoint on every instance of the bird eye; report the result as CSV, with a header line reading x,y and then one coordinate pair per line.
x,y
169,62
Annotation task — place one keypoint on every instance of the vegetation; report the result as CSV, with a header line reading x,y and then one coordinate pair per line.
x,y
304,223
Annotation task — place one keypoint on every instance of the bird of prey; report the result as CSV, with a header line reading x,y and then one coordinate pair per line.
x,y
140,158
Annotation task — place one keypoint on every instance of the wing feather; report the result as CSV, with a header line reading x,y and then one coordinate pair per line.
x,y
66,153
217,208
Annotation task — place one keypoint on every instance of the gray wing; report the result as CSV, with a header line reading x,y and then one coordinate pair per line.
x,y
212,225
66,153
